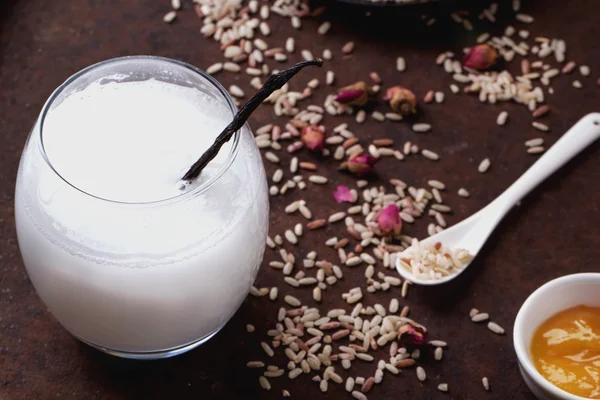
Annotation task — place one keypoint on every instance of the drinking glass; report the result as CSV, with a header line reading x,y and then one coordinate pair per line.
x,y
149,279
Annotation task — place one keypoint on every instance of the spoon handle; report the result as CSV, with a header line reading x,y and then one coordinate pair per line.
x,y
581,135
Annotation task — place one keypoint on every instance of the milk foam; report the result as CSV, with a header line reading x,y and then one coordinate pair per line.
x,y
132,141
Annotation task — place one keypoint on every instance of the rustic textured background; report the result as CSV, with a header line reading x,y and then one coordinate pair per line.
x,y
553,233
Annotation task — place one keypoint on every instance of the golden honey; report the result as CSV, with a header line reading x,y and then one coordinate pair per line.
x,y
566,351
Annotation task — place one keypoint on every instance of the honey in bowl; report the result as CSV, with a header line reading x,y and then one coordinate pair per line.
x,y
566,351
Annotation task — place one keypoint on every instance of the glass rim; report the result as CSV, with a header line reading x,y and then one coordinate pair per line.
x,y
204,186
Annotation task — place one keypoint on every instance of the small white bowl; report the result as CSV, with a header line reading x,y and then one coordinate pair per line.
x,y
555,296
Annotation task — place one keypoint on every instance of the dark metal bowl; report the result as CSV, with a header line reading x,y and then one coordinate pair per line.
x,y
387,3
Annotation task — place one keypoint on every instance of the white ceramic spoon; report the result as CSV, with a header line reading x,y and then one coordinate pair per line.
x,y
472,233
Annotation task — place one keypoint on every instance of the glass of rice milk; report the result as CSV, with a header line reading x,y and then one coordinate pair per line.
x,y
127,257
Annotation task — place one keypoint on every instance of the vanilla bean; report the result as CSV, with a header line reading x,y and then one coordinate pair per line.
x,y
275,82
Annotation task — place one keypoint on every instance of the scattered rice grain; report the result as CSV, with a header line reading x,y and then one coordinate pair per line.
x,y
348,48
215,68
430,155
290,45
329,78
316,224
536,150
264,383
324,28
170,17
358,395
291,237
502,117
318,179
421,375
421,127
484,166
534,142
349,384
338,216
584,70
540,111
494,327
486,383
540,126
400,64
292,301
271,157
525,18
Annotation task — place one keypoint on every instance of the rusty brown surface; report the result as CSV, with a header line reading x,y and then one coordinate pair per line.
x,y
554,232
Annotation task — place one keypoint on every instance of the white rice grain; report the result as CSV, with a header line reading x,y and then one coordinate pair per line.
x,y
540,126
329,78
215,68
292,301
584,70
535,150
290,45
421,375
349,384
484,166
421,127
400,64
494,327
291,237
486,383
324,28
430,155
338,216
502,117
231,67
170,17
264,383
236,91
306,55
318,179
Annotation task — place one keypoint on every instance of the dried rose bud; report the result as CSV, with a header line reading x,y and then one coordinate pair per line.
x,y
402,100
481,57
342,194
356,94
313,137
361,164
389,220
410,335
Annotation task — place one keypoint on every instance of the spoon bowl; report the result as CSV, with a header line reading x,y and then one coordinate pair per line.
x,y
472,233
459,236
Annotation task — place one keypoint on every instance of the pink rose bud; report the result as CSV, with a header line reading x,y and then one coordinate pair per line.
x,y
342,194
481,57
402,100
361,164
410,335
356,94
389,220
313,137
